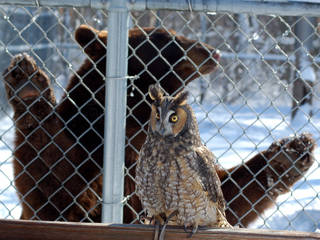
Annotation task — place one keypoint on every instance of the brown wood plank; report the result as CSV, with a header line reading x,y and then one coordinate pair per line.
x,y
34,230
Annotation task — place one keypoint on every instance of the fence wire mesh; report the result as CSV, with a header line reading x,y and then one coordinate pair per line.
x,y
264,89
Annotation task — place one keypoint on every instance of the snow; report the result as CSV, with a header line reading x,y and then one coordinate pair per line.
x,y
234,134
307,72
302,116
9,204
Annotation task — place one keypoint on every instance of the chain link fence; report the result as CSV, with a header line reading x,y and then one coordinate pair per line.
x,y
254,99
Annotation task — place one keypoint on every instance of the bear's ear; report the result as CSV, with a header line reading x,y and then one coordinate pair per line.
x,y
91,40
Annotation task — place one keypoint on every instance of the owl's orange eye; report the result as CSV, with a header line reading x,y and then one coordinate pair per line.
x,y
173,118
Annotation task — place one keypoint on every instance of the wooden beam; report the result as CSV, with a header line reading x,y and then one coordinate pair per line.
x,y
40,230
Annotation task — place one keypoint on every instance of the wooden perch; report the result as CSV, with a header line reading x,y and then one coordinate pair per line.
x,y
30,230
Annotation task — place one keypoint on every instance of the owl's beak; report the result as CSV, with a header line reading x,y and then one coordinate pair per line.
x,y
162,131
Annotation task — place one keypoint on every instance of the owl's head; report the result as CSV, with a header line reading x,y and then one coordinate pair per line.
x,y
170,116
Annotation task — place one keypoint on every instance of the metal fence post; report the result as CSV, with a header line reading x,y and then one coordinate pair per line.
x,y
116,93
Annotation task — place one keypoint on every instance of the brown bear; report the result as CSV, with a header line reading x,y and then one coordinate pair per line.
x,y
49,168
59,147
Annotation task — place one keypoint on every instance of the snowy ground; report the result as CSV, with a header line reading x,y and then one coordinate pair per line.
x,y
234,134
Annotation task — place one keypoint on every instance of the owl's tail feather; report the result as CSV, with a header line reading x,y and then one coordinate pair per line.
x,y
222,220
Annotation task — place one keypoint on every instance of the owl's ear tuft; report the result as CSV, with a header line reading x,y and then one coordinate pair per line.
x,y
155,92
181,98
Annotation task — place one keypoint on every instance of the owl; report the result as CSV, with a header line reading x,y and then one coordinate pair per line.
x,y
176,179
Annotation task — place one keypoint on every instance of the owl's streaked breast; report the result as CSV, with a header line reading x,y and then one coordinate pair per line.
x,y
170,182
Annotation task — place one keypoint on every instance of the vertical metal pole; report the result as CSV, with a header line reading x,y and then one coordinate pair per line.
x,y
115,118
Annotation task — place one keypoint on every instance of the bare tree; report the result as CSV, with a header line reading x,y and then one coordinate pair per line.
x,y
305,77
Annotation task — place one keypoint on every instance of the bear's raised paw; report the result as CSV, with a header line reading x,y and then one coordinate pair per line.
x,y
25,82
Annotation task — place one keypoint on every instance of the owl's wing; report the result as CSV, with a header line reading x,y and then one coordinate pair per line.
x,y
209,178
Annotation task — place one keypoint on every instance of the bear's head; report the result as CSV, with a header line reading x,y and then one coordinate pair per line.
x,y
154,55
156,50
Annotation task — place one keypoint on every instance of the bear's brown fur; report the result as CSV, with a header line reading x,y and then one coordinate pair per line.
x,y
67,138
50,180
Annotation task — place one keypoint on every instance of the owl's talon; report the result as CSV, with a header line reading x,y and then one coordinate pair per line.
x,y
193,231
161,237
143,217
174,213
157,229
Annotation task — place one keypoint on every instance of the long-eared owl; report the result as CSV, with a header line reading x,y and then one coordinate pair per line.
x,y
175,174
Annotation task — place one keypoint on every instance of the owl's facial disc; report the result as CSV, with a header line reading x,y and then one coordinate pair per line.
x,y
165,123
169,116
